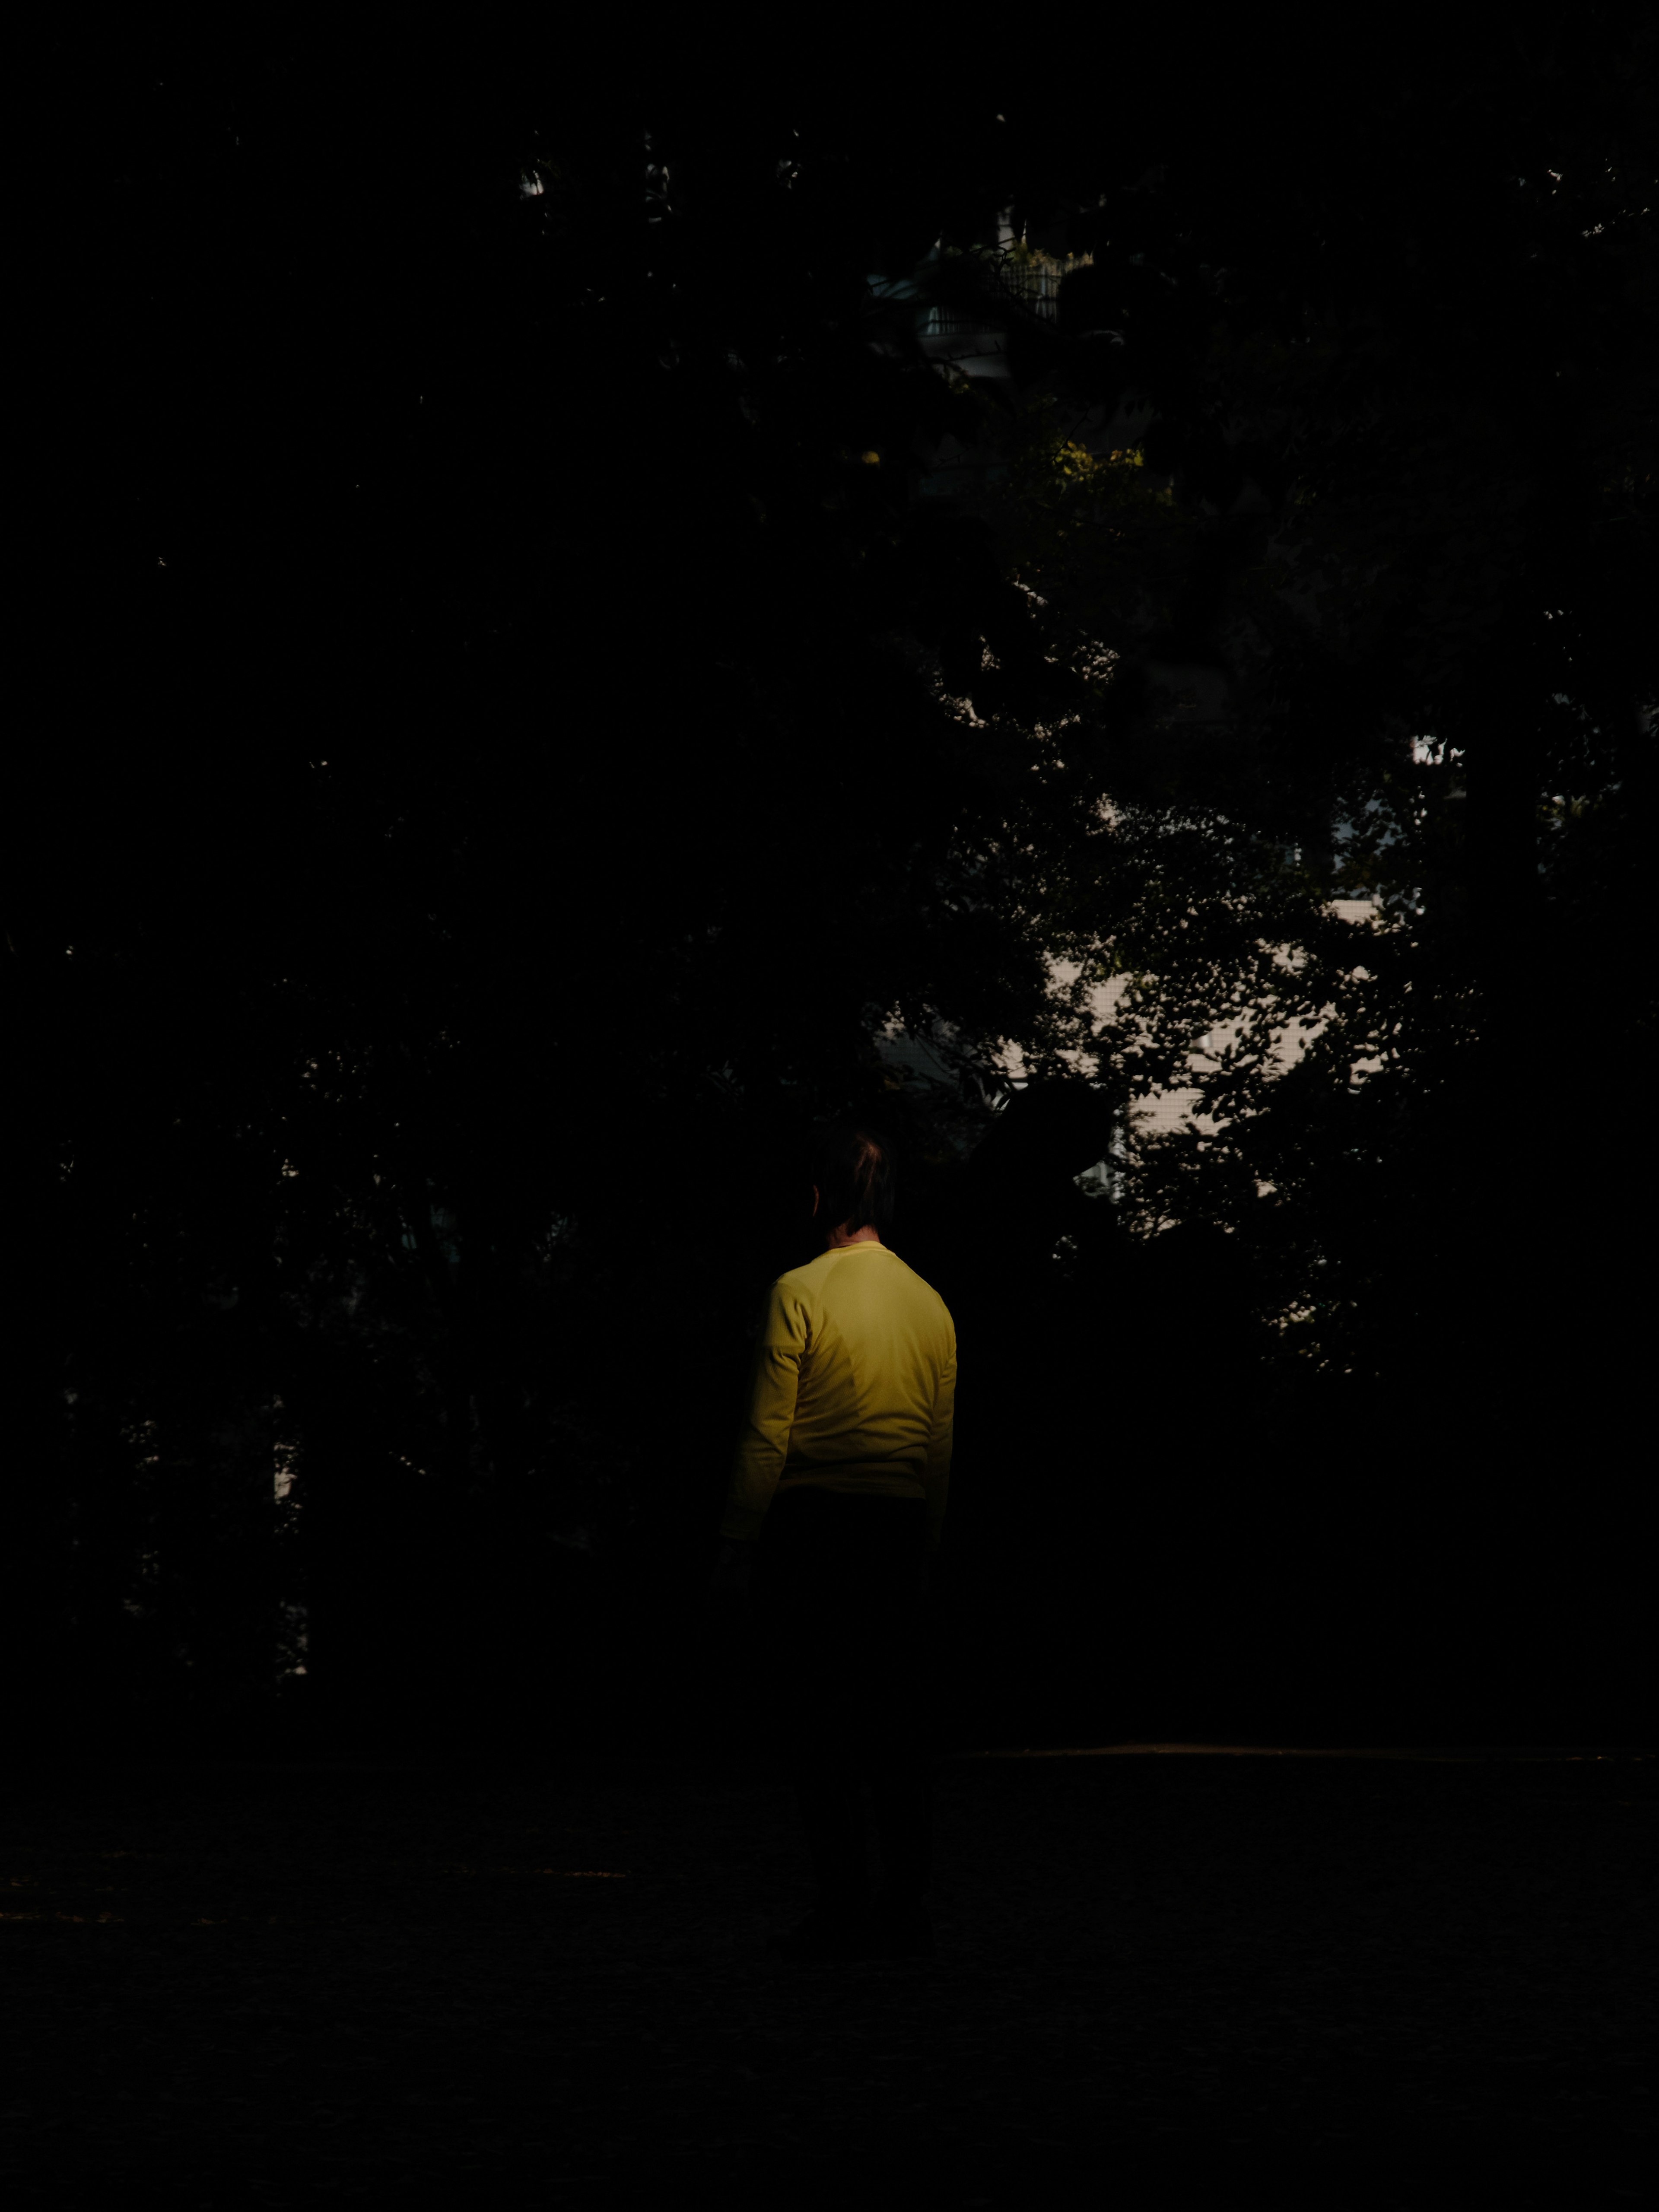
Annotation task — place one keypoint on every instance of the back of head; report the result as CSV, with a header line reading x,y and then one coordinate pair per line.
x,y
856,1176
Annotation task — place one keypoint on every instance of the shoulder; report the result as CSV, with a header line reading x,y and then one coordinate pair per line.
x,y
803,1285
921,1288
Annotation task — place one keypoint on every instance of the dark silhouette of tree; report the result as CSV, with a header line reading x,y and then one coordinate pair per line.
x,y
515,737
1389,377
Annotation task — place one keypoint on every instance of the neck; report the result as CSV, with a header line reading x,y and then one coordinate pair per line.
x,y
838,1237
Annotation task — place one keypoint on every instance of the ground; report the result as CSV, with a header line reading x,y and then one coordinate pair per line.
x,y
1163,1978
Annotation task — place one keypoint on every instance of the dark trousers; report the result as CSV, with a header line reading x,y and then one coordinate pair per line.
x,y
838,1598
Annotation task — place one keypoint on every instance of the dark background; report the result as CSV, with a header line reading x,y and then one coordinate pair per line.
x,y
478,803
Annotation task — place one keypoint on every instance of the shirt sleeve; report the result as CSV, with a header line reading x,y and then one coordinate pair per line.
x,y
763,1439
936,1478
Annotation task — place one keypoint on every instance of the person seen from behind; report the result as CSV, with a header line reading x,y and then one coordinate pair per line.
x,y
833,1515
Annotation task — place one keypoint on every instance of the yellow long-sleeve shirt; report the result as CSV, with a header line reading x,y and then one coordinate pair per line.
x,y
853,1388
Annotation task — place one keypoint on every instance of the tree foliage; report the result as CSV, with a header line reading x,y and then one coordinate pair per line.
x,y
518,736
1393,375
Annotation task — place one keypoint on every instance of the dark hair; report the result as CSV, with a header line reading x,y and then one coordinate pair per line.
x,y
857,1177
